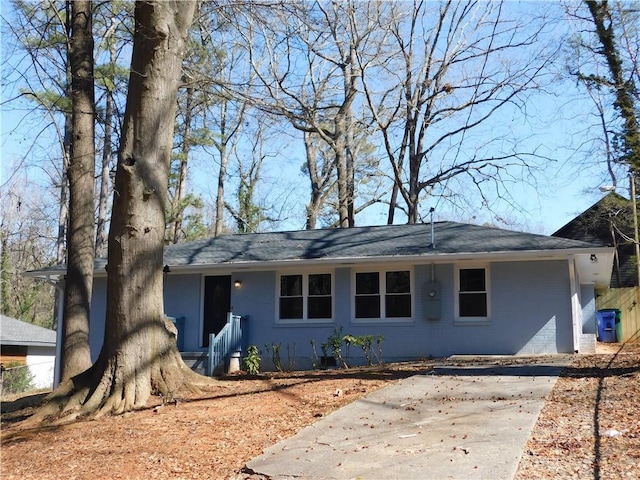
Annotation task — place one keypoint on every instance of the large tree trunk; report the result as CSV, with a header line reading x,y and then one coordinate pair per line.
x,y
181,184
624,87
139,354
314,206
103,199
63,217
80,247
222,174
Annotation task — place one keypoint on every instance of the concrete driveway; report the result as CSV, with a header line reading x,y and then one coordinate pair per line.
x,y
469,418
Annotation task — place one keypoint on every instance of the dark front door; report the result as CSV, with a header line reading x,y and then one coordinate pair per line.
x,y
217,303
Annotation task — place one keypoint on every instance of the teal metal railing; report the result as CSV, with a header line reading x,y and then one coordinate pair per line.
x,y
222,345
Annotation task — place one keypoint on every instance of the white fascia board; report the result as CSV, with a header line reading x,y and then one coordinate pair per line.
x,y
28,343
606,253
49,277
533,255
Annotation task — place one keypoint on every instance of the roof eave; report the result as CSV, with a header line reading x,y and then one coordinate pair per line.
x,y
21,343
432,256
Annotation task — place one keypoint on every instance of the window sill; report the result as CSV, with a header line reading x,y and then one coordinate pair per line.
x,y
304,322
379,321
472,322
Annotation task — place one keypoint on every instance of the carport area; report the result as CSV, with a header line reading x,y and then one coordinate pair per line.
x,y
469,418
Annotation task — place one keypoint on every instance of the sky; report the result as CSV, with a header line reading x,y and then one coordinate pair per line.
x,y
565,187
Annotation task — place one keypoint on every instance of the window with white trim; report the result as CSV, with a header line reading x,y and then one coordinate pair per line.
x,y
306,296
473,293
383,295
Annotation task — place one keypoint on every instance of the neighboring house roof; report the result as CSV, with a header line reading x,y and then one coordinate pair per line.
x,y
594,226
411,242
17,332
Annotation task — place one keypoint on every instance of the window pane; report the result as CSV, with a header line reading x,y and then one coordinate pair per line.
x,y
398,306
291,285
319,307
367,283
473,304
472,280
398,282
320,284
368,306
291,308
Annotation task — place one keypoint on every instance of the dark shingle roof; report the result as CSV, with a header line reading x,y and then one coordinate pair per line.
x,y
360,243
17,332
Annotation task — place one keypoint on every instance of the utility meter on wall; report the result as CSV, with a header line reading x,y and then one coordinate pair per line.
x,y
432,307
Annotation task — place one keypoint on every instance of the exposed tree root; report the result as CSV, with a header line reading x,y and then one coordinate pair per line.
x,y
110,387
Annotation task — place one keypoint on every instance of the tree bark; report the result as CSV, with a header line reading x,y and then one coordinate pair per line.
x,y
219,224
103,198
139,354
80,247
175,232
624,87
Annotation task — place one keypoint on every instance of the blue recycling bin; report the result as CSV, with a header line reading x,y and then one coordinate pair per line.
x,y
606,325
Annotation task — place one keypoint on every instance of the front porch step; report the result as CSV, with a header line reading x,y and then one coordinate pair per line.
x,y
196,360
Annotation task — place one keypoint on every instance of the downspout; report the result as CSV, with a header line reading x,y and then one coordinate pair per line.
x,y
576,309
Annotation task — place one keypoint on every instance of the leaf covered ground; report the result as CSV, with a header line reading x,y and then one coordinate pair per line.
x,y
214,434
589,427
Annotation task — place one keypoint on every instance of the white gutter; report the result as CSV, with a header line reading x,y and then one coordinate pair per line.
x,y
429,258
534,255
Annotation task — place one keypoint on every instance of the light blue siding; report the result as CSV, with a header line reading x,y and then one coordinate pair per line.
x,y
530,313
183,298
531,307
98,316
588,301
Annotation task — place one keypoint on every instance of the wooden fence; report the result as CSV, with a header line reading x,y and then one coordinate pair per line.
x,y
628,301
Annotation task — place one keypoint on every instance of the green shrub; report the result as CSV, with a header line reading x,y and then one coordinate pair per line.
x,y
274,351
252,360
335,343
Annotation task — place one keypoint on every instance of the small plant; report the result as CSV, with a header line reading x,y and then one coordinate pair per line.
x,y
378,353
325,360
315,361
335,343
252,360
365,342
348,341
274,351
291,357
325,349
16,378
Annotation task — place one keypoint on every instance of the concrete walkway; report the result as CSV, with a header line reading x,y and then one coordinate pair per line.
x,y
469,418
